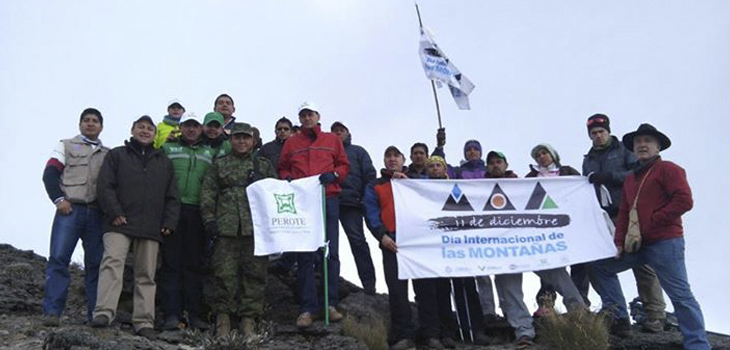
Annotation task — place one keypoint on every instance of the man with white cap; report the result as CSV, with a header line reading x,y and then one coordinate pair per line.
x,y
307,153
183,254
169,128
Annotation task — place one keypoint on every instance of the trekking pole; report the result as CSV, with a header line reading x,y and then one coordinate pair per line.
x,y
324,263
456,307
468,314
433,85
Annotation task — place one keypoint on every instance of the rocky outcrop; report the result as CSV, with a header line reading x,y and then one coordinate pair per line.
x,y
21,293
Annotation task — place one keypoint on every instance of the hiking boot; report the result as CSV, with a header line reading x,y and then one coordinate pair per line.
x,y
247,327
335,316
100,321
524,342
652,326
304,320
148,333
448,343
172,323
433,343
222,325
195,322
403,344
51,321
492,321
621,327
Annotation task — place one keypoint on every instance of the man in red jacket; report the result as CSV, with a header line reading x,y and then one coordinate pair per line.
x,y
307,153
664,195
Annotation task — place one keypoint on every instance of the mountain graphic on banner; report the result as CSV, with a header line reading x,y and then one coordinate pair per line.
x,y
498,200
540,199
457,201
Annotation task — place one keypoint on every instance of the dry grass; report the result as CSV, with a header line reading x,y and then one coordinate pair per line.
x,y
575,330
374,333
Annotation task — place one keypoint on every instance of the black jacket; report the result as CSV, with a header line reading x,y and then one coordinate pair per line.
x,y
615,159
139,184
272,150
361,174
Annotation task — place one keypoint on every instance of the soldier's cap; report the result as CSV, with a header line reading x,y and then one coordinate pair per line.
x,y
497,154
242,128
213,117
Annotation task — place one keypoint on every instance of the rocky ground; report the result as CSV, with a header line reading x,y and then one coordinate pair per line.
x,y
21,292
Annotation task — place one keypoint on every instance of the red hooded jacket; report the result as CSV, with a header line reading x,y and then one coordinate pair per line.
x,y
313,152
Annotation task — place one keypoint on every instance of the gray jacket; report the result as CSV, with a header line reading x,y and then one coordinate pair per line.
x,y
617,160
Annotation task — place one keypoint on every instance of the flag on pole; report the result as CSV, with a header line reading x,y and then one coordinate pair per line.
x,y
440,69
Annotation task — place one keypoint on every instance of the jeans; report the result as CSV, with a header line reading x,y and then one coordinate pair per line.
x,y
666,257
306,262
512,302
84,222
351,219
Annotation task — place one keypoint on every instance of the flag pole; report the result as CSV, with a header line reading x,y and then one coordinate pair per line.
x,y
433,85
324,261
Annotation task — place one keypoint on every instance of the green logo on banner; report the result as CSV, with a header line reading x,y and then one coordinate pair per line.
x,y
285,203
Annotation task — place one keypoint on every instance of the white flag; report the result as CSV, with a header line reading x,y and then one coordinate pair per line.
x,y
440,69
287,216
456,228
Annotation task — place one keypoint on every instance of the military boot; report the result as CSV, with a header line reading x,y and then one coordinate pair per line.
x,y
247,327
222,325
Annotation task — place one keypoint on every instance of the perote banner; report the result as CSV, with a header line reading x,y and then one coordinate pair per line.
x,y
287,216
456,228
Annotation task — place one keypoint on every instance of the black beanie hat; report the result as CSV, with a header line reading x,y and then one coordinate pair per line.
x,y
598,120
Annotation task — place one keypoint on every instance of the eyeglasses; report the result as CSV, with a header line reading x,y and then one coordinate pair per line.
x,y
283,129
596,120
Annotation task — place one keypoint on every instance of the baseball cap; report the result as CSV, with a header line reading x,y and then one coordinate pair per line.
x,y
213,117
175,103
497,154
189,117
308,105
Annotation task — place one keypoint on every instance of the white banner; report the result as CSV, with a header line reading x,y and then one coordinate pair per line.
x,y
459,228
287,216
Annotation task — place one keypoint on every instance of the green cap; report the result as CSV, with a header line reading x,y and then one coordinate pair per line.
x,y
242,128
497,154
213,116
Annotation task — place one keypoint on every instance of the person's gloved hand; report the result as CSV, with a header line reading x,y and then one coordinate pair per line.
x,y
327,178
600,178
441,137
288,179
211,229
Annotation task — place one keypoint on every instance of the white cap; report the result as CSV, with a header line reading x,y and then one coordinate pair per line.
x,y
189,116
174,101
308,105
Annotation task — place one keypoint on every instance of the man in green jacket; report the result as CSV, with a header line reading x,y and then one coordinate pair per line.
x,y
239,278
183,254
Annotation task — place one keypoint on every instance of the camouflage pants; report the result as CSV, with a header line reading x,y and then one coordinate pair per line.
x,y
239,278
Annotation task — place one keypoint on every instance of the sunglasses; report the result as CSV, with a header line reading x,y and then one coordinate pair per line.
x,y
596,120
283,129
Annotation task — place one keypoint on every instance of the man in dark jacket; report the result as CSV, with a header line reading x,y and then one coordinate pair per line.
x,y
138,194
313,152
361,174
272,149
655,196
607,164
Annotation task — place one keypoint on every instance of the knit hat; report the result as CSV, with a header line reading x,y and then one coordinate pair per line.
x,y
549,148
436,159
598,120
473,144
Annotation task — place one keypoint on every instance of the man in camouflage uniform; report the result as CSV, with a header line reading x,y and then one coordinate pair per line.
x,y
239,278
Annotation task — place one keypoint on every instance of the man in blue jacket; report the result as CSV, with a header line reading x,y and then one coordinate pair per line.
x,y
361,173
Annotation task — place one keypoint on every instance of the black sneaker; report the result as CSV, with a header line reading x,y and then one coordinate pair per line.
x,y
195,322
148,333
100,321
172,323
621,327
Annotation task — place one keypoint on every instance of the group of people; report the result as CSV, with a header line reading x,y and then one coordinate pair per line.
x,y
178,188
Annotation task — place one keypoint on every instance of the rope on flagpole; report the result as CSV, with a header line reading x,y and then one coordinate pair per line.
x,y
433,84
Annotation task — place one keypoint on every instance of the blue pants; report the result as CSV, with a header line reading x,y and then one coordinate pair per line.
x,y
84,222
306,262
667,259
351,219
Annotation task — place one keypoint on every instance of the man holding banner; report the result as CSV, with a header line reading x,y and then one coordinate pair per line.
x,y
307,153
239,277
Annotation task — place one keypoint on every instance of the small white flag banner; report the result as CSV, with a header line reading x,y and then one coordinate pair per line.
x,y
287,216
440,69
459,228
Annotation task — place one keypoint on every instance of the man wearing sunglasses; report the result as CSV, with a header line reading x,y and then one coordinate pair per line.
x,y
272,149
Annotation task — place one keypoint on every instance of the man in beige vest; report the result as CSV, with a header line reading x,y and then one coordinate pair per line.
x,y
70,181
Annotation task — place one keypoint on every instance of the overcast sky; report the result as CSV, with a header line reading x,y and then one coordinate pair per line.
x,y
540,69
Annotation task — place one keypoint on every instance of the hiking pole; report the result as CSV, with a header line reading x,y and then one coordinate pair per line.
x,y
468,314
324,263
456,307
